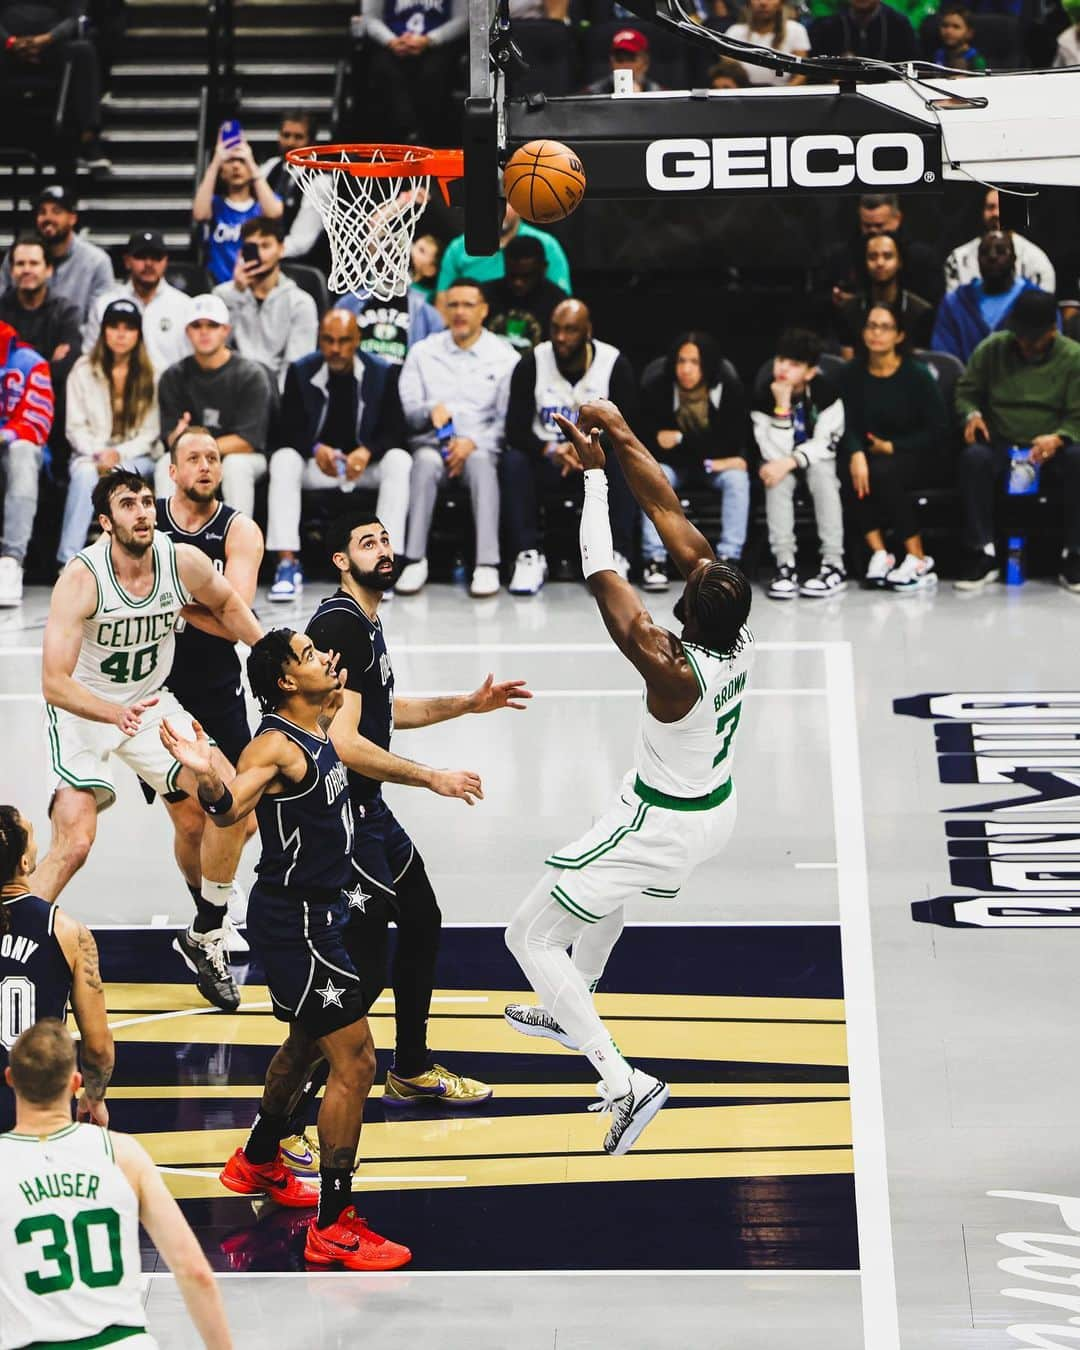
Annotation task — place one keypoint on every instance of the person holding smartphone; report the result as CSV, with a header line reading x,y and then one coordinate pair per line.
x,y
244,194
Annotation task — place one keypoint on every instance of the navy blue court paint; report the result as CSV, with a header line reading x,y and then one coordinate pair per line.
x,y
799,1222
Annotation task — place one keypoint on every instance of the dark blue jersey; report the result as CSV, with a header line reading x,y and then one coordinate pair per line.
x,y
35,979
202,660
340,625
307,830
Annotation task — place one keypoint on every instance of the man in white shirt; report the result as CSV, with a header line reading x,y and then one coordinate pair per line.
x,y
454,390
164,308
1032,264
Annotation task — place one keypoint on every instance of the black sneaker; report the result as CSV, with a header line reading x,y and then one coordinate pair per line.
x,y
830,580
1069,576
977,571
785,585
204,955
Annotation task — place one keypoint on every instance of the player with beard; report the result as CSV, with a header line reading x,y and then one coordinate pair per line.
x,y
107,653
206,669
391,881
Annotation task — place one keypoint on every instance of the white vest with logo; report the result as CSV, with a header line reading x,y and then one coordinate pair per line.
x,y
555,394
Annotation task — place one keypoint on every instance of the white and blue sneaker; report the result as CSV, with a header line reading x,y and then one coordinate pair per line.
x,y
288,583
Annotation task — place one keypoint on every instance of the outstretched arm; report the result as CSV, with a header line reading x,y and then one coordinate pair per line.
x,y
654,494
267,757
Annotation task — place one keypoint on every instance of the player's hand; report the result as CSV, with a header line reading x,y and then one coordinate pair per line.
x,y
877,446
129,720
975,429
457,783
774,471
458,451
599,412
586,447
356,461
565,456
490,695
1044,448
860,475
91,1112
194,755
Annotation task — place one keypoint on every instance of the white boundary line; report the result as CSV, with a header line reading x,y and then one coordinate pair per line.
x,y
881,1330
507,648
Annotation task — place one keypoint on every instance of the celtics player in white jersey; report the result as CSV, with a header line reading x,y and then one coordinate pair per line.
x,y
108,650
72,1197
676,807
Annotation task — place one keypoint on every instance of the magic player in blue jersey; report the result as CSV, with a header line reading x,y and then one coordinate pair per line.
x,y
290,775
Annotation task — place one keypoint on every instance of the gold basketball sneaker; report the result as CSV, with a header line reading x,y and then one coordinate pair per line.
x,y
300,1153
434,1085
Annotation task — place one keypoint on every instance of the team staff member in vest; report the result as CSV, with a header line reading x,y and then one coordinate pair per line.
x,y
558,377
454,390
108,649
414,47
47,960
71,1201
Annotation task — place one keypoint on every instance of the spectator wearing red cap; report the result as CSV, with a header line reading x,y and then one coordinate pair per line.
x,y
629,51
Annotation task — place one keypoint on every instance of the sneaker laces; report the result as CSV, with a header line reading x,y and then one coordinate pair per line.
x,y
215,953
609,1103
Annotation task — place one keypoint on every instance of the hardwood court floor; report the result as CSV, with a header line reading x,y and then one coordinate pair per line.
x,y
734,1223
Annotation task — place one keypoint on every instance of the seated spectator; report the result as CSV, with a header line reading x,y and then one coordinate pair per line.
x,y
629,51
226,393
112,417
46,322
894,422
1067,52
81,270
342,427
521,303
883,280
44,35
163,307
456,262
246,195
798,421
560,375
26,418
424,259
866,28
728,74
765,24
979,308
1021,390
388,328
454,390
273,321
301,224
414,51
957,34
697,426
962,264
880,213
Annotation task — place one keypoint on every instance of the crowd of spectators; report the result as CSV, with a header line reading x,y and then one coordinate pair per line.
x,y
919,367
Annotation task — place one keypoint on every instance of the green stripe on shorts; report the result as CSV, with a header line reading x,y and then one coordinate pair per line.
x,y
572,907
604,846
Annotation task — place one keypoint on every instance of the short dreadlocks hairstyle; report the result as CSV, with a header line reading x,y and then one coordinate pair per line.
x,y
722,607
266,664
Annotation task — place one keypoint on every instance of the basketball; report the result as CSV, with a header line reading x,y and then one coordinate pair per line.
x,y
544,181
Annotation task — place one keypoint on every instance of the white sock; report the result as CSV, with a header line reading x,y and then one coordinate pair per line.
x,y
988,549
603,1054
216,892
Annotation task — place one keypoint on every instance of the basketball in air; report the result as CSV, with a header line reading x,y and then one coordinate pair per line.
x,y
544,181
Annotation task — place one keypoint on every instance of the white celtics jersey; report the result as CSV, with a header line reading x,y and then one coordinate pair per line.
x,y
553,392
693,757
69,1239
128,644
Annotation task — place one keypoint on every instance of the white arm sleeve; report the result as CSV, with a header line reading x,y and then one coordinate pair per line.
x,y
597,550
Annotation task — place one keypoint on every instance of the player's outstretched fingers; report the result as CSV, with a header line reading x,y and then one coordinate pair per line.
x,y
166,735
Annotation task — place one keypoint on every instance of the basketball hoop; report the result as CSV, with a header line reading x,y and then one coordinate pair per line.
x,y
370,198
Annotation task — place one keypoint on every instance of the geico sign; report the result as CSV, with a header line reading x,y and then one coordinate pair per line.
x,y
690,164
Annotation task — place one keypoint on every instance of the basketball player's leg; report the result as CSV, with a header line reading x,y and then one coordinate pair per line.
x,y
595,944
73,816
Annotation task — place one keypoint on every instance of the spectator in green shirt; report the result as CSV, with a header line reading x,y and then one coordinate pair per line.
x,y
1021,388
457,263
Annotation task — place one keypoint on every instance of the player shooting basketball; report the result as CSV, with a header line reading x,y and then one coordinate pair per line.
x,y
676,807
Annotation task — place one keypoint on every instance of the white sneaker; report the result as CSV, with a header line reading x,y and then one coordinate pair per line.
x,y
413,578
881,564
11,582
622,567
655,577
632,1112
913,574
532,1020
235,942
830,580
530,572
485,582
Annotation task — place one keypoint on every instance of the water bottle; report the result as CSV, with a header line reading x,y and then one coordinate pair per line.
x,y
459,569
1014,564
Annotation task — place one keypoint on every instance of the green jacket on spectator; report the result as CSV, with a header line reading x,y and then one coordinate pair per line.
x,y
1020,399
913,10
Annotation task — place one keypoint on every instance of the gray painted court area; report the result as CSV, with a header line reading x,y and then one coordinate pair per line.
x,y
974,1025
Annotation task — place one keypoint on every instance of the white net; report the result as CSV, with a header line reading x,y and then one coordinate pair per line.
x,y
370,220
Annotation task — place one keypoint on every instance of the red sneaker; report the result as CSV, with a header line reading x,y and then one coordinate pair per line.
x,y
270,1179
352,1244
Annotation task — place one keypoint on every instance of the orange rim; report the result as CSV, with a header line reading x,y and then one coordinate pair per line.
x,y
399,161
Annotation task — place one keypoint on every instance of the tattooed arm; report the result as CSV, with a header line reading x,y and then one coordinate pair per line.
x,y
96,1052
